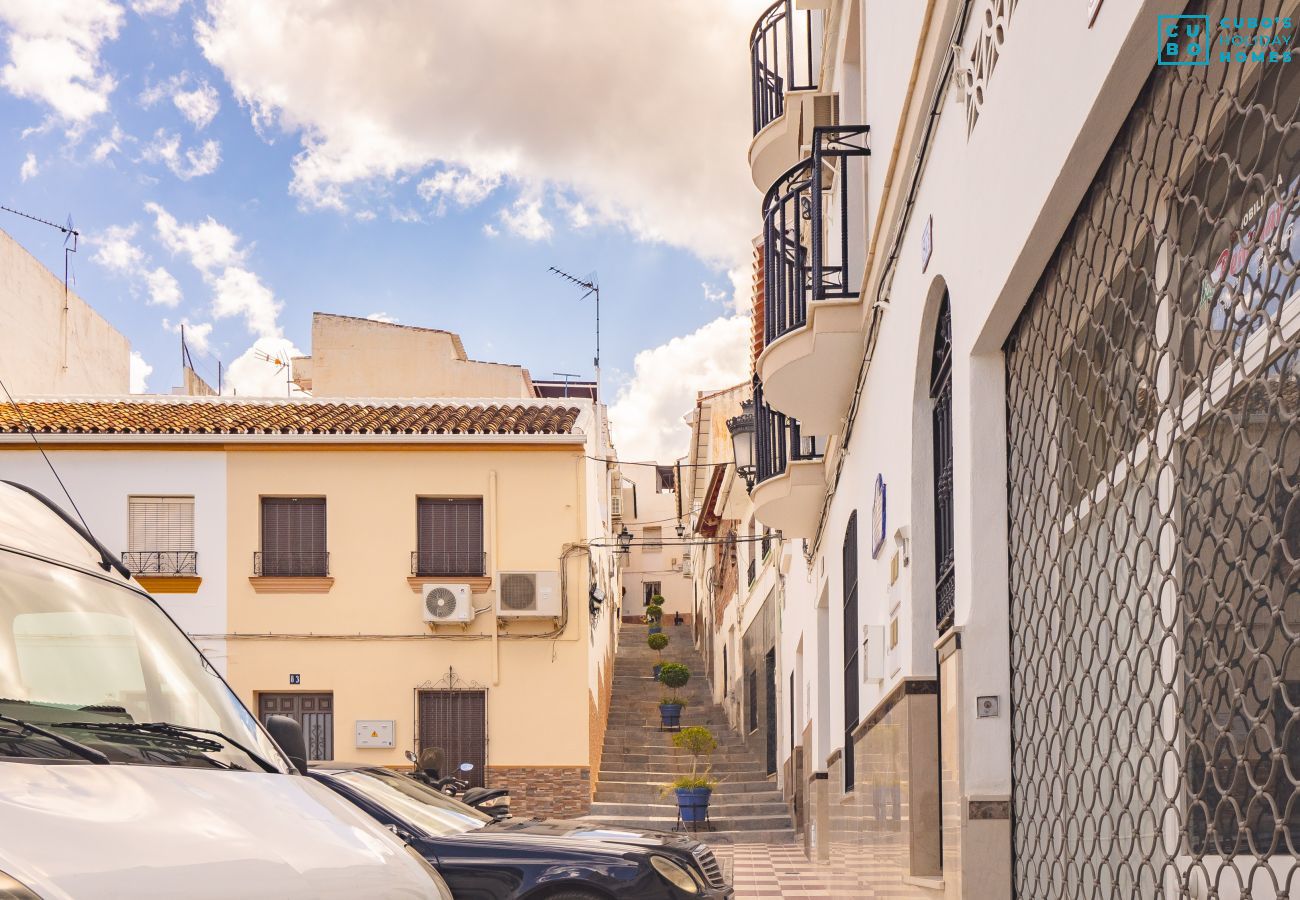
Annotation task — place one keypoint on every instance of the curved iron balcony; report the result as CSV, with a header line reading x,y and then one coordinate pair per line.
x,y
806,231
785,55
777,440
161,562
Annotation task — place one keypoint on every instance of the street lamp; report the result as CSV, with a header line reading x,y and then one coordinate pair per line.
x,y
624,539
742,442
681,531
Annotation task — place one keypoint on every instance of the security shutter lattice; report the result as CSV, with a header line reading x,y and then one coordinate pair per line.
x,y
450,536
1153,403
456,721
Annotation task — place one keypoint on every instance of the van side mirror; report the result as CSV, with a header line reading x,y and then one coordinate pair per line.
x,y
287,733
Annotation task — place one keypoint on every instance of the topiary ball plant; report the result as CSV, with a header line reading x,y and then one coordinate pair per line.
x,y
658,642
674,675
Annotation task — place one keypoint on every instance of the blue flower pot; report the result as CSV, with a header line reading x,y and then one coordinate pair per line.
x,y
693,804
658,666
670,715
655,629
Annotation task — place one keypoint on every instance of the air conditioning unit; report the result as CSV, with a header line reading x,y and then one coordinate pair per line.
x,y
447,604
528,595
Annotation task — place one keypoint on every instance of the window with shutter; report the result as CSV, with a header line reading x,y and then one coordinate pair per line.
x,y
653,539
160,536
293,537
449,537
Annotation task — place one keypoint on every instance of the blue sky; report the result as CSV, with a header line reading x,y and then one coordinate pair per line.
x,y
238,165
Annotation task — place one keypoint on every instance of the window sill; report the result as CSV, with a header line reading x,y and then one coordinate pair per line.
x,y
928,882
170,584
291,584
478,584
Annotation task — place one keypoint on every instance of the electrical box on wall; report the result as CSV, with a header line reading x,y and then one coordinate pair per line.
x,y
375,733
873,653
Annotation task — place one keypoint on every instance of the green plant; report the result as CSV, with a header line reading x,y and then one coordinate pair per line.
x,y
658,642
654,613
690,781
674,700
674,675
657,600
699,742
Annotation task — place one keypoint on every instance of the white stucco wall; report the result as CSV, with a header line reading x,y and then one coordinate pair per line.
x,y
39,352
101,481
655,510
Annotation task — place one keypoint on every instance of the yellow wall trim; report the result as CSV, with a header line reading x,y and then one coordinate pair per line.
x,y
477,584
277,584
170,584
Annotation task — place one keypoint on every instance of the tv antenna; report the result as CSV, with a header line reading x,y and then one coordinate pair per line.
x,y
281,362
70,233
566,376
591,286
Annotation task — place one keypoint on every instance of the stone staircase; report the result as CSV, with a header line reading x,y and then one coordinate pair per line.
x,y
639,758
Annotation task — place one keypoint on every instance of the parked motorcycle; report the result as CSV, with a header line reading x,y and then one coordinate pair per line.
x,y
429,766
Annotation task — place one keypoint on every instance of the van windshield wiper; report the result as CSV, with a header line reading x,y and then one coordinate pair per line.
x,y
167,729
67,743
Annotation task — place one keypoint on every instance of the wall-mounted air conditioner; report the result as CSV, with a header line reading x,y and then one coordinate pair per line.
x,y
447,604
528,595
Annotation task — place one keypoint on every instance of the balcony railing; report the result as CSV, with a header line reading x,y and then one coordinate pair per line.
x,y
809,248
291,563
161,562
785,53
449,563
777,440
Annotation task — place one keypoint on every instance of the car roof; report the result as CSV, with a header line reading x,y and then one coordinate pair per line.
x,y
33,524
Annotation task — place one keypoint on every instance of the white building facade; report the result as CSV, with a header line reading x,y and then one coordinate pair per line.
x,y
1028,389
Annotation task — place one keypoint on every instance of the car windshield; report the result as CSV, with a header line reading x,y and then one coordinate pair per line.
x,y
91,669
432,812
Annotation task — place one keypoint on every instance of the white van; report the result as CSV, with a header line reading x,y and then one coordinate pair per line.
x,y
128,767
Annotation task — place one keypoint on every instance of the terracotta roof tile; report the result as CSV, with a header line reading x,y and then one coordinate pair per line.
x,y
288,417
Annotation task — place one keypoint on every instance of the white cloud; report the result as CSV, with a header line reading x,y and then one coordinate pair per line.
x,y
382,317
140,372
647,415
200,105
107,146
193,163
649,131
117,252
407,216
163,287
197,336
216,252
29,168
208,245
364,215
464,186
155,7
54,54
524,218
252,376
490,230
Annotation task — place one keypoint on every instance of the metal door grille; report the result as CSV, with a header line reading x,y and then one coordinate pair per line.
x,y
456,721
851,679
1154,475
945,571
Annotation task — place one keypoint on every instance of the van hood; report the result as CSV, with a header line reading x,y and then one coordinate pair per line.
x,y
153,831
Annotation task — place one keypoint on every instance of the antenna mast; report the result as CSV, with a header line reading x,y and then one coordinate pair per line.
x,y
592,286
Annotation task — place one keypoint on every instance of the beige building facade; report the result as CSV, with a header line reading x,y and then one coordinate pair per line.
x,y
341,518
658,561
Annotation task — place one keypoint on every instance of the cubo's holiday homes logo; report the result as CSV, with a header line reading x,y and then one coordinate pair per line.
x,y
1188,40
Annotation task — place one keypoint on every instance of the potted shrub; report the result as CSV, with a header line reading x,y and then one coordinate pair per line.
x,y
658,642
654,615
674,675
670,711
694,790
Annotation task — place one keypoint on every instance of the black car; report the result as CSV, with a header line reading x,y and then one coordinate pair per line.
x,y
528,859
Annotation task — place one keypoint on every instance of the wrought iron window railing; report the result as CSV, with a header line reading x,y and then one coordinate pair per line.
x,y
464,563
291,563
161,562
785,50
777,440
810,248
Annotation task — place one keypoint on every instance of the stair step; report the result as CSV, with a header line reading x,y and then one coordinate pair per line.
x,y
737,805
728,823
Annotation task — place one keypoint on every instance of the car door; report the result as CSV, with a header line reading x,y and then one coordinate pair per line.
x,y
474,872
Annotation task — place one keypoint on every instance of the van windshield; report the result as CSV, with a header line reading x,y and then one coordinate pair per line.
x,y
90,669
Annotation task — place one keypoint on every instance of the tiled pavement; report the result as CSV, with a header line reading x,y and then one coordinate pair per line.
x,y
782,870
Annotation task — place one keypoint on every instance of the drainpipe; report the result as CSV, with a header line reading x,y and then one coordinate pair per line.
x,y
494,571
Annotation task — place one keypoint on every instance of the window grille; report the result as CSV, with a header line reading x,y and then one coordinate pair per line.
x,y
1153,401
160,536
851,646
